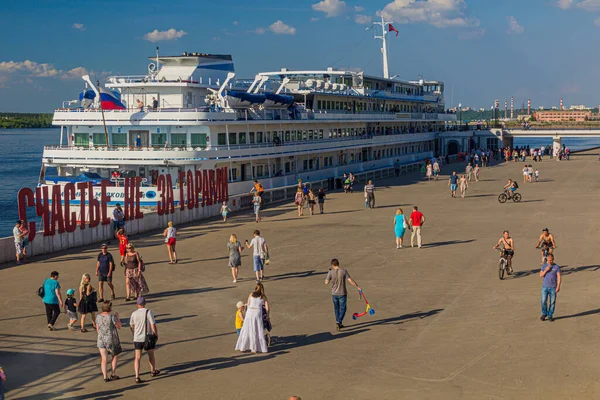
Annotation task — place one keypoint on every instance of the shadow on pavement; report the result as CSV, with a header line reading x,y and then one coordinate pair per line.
x,y
169,293
105,394
581,314
216,363
448,243
395,320
564,270
290,275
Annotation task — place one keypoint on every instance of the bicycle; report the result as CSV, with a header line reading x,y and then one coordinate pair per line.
x,y
506,195
504,265
546,251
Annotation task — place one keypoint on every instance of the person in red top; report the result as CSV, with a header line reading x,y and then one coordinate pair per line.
x,y
417,219
123,241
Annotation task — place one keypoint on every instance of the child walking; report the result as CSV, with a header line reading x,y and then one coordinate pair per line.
x,y
537,175
239,316
366,200
71,309
224,211
123,242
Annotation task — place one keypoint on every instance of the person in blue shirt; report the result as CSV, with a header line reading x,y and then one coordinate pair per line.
x,y
453,183
52,299
550,274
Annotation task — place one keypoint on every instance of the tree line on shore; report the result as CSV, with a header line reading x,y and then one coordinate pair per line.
x,y
25,120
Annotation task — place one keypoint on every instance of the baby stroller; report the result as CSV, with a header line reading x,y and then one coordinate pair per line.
x,y
266,325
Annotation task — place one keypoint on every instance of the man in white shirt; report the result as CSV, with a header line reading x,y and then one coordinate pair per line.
x,y
139,330
260,253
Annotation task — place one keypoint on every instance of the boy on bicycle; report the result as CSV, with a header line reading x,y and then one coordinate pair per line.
x,y
508,248
511,187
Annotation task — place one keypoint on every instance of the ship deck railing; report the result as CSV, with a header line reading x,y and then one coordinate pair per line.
x,y
212,114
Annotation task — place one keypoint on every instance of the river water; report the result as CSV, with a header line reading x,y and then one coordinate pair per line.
x,y
21,158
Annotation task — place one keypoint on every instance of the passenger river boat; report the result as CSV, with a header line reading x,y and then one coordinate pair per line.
x,y
190,112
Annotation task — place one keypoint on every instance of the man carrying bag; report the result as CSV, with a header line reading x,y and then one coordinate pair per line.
x,y
145,336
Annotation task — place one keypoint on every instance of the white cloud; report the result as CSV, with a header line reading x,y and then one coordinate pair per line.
x,y
80,27
362,19
439,13
235,22
216,38
332,8
39,70
564,4
589,5
280,28
259,31
314,19
157,36
359,9
513,26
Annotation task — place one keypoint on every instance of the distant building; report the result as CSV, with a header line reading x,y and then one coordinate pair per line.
x,y
481,109
579,107
563,115
540,107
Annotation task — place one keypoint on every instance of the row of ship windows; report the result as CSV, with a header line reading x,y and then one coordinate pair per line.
x,y
123,140
310,134
376,107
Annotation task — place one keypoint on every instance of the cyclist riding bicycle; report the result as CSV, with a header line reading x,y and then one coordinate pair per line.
x,y
546,242
508,248
511,187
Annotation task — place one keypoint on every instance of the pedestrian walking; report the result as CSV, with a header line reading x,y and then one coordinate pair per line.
x,y
257,189
397,167
338,277
170,235
463,184
135,283
256,202
252,336
299,201
87,301
239,316
145,336
400,226
436,170
118,219
551,282
469,172
224,211
429,172
235,255
123,242
417,219
370,194
260,253
312,200
321,200
105,266
71,309
453,183
107,325
476,172
52,299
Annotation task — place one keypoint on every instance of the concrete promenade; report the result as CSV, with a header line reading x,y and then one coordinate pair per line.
x,y
445,326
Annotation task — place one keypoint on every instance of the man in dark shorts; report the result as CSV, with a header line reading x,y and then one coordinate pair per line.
x,y
142,322
104,269
321,200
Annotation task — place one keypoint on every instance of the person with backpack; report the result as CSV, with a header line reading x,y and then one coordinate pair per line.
x,y
511,187
52,299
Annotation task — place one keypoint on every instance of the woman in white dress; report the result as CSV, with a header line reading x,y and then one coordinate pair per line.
x,y
252,336
429,172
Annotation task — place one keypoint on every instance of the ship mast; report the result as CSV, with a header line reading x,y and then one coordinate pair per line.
x,y
384,32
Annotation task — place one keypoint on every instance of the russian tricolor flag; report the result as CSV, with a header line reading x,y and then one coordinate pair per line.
x,y
110,101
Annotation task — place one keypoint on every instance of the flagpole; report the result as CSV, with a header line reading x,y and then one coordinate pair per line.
x,y
102,109
384,32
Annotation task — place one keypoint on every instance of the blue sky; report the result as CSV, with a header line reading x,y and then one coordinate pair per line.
x,y
482,49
